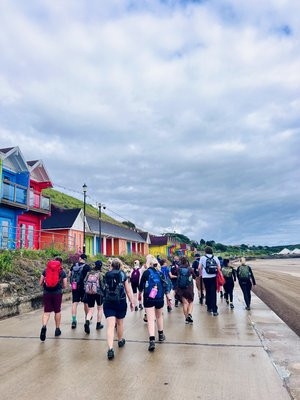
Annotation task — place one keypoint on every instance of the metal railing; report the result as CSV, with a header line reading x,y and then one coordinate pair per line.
x,y
39,202
27,237
14,193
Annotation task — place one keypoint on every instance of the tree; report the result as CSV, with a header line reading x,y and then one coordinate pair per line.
x,y
220,247
202,242
129,224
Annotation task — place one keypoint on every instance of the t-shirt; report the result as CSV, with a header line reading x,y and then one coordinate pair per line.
x,y
203,264
86,268
58,288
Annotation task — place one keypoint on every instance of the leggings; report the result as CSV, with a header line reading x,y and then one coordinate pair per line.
x,y
246,288
228,289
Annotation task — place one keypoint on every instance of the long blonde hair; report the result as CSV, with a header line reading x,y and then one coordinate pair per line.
x,y
243,261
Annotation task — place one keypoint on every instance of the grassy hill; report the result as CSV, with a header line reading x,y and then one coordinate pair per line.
x,y
63,200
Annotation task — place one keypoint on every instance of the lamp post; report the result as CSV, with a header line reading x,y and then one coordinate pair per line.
x,y
100,206
84,187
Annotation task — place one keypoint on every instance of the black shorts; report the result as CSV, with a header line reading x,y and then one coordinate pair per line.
x,y
117,310
91,299
158,304
134,287
78,296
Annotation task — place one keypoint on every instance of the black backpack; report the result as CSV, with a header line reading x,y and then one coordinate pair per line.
x,y
211,266
114,290
184,278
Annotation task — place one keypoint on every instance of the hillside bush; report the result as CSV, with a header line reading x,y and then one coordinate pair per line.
x,y
6,262
130,258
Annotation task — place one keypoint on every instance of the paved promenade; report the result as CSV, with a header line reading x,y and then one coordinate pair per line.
x,y
215,359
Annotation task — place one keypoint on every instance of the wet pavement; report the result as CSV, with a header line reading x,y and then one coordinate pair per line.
x,y
217,358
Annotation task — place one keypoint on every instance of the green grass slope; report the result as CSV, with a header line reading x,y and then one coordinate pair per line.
x,y
63,200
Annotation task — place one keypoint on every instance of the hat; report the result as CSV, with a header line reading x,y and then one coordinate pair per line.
x,y
98,264
151,261
83,256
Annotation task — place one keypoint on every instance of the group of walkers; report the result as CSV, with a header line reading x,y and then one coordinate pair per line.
x,y
148,287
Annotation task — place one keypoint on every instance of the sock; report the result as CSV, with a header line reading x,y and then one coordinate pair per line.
x,y
73,318
152,338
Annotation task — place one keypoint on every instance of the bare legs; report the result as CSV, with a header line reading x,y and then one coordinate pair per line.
x,y
153,314
110,333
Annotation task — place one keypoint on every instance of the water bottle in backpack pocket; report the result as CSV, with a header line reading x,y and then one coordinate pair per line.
x,y
76,276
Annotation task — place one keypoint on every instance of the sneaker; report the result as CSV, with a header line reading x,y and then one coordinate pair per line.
x,y
201,300
121,343
110,354
99,326
191,318
141,307
136,308
209,310
169,309
145,318
57,332
221,294
87,327
176,303
161,337
231,306
74,324
227,301
151,345
215,314
247,308
43,334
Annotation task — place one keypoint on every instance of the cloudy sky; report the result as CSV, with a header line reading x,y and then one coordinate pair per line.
x,y
178,115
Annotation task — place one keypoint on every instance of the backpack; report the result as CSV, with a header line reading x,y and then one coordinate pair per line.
x,y
114,287
154,279
211,266
52,274
92,284
135,276
184,279
244,273
227,272
76,274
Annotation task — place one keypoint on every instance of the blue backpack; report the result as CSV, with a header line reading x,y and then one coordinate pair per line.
x,y
155,279
185,278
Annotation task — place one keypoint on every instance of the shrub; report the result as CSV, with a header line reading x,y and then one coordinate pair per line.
x,y
130,258
6,262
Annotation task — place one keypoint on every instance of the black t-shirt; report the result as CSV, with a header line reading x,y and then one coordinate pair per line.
x,y
195,266
58,288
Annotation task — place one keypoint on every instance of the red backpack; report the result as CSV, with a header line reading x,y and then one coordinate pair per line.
x,y
52,273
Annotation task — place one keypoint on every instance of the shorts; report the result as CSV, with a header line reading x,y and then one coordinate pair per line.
x,y
117,310
78,296
158,304
134,287
91,299
52,302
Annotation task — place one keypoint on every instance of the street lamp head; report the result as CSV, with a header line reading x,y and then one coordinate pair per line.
x,y
104,207
84,187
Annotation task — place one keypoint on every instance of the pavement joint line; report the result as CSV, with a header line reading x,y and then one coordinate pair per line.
x,y
140,341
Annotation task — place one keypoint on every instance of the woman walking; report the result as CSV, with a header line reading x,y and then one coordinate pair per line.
x,y
166,270
185,289
246,279
116,288
134,281
229,274
154,287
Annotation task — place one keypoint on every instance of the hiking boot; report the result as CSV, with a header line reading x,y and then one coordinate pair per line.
x,y
151,345
215,314
221,294
176,303
201,300
247,308
209,310
87,327
99,326
161,337
121,343
145,318
141,307
57,332
191,318
136,308
43,334
74,324
227,301
231,306
110,354
169,309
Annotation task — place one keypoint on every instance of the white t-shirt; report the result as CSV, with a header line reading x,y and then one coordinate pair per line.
x,y
203,264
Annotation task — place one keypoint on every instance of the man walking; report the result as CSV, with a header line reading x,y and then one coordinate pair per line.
x,y
209,266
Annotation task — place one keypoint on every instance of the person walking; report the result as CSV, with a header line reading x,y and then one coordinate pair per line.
x,y
185,289
134,281
93,286
77,276
166,270
173,276
229,274
154,287
53,280
246,279
116,288
220,258
209,266
198,279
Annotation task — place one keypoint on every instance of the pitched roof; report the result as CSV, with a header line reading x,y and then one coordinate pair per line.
x,y
6,149
112,230
61,218
144,235
158,240
31,163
